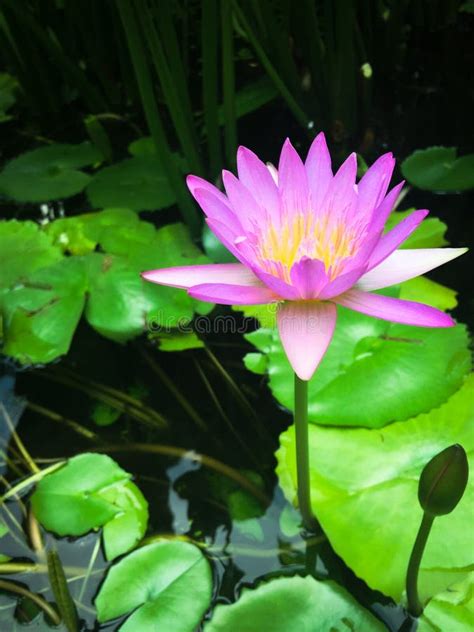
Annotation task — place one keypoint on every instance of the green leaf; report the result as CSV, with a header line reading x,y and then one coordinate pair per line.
x,y
166,586
48,173
366,482
427,291
41,315
73,500
450,610
104,415
251,97
121,304
293,604
177,340
467,7
136,183
128,527
429,234
382,371
438,169
24,248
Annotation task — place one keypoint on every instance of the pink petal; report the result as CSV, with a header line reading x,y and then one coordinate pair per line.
x,y
394,309
306,329
195,182
256,177
308,276
391,240
188,276
242,201
318,167
341,283
280,287
384,209
224,234
225,294
292,180
342,189
218,208
374,183
402,265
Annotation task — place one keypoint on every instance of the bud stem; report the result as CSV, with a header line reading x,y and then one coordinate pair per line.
x,y
414,606
302,453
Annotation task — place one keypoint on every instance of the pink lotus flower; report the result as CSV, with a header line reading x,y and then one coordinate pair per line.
x,y
309,240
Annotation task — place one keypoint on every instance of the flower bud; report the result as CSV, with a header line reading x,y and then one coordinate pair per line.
x,y
443,481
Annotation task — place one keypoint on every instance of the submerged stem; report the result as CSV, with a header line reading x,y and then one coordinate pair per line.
x,y
302,453
414,605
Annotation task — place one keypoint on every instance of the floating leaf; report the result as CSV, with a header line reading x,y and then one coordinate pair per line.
x,y
121,304
128,527
381,371
177,340
77,498
48,173
439,169
166,585
450,610
136,183
24,249
41,315
427,291
366,482
429,234
294,603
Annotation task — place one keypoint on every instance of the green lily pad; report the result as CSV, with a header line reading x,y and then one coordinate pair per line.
x,y
123,532
426,291
294,603
78,497
121,304
137,183
177,340
48,173
382,371
450,610
41,314
439,169
429,234
364,487
24,249
166,585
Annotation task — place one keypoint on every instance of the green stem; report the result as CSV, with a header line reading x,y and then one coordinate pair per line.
x,y
302,453
414,606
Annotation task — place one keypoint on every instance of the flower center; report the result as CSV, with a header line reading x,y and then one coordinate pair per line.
x,y
304,235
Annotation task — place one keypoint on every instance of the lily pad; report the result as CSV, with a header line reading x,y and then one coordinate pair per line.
x,y
429,234
24,249
48,173
137,183
128,527
439,169
177,341
121,304
366,481
450,610
41,314
426,291
381,371
166,585
294,603
78,497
